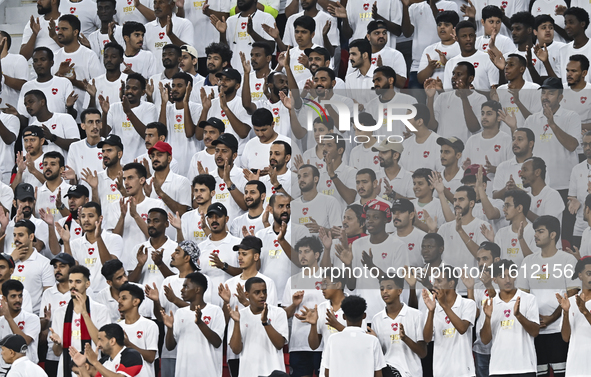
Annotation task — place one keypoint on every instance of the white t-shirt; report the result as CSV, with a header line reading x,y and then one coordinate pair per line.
x,y
56,299
238,38
509,243
15,66
83,156
390,58
412,243
253,224
449,112
362,157
577,360
346,174
133,142
487,74
43,38
98,41
497,149
504,172
235,105
61,125
145,62
35,273
223,195
156,38
585,249
569,50
181,145
126,11
41,233
502,42
401,184
46,198
204,31
359,15
449,51
425,155
191,226
321,19
529,95
433,208
150,272
107,191
105,297
86,11
12,124
547,202
144,335
256,154
577,102
324,209
107,89
207,161
30,325
59,87
376,106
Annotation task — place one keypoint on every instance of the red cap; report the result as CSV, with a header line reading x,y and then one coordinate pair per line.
x,y
378,205
473,170
161,147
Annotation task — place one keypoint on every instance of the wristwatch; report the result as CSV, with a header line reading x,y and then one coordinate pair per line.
x,y
225,266
53,138
63,206
232,187
278,187
334,177
266,323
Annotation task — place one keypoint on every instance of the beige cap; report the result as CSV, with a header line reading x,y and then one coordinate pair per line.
x,y
190,50
386,145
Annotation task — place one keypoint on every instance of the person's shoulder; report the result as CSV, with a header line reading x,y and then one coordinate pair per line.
x,y
131,356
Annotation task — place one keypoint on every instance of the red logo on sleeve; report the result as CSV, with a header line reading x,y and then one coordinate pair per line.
x,y
140,334
207,319
161,35
54,91
366,6
305,211
583,99
20,267
222,186
497,148
72,10
425,154
179,118
507,312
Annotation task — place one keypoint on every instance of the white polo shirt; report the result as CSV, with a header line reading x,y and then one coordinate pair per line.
x,y
412,244
579,180
56,90
358,85
47,198
505,170
61,125
449,112
487,74
150,272
107,189
324,209
509,243
547,202
577,361
191,226
156,37
326,186
223,194
529,95
182,146
396,352
41,233
35,273
56,299
449,51
104,297
144,335
401,184
25,367
424,155
30,324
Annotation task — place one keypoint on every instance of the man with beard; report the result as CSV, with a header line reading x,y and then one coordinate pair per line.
x,y
576,22
397,181
95,248
577,192
507,175
260,59
463,235
171,57
338,179
366,185
276,83
104,185
203,187
359,82
129,117
219,264
450,156
6,271
227,107
24,202
54,190
242,29
17,321
256,152
31,268
98,39
280,178
60,130
137,59
109,84
180,117
155,132
545,200
166,29
129,216
205,159
255,194
314,209
319,57
219,56
38,32
76,63
80,313
445,121
30,167
54,298
86,12
153,256
116,277
403,218
276,253
85,154
384,84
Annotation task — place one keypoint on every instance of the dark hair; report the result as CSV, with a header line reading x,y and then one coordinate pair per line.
x,y
37,94
496,106
525,18
521,59
469,192
183,76
330,73
386,71
448,16
72,20
131,27
160,211
435,237
520,198
528,133
139,168
55,154
315,172
261,188
160,128
113,2
174,47
469,67
464,24
582,59
134,291
251,281
423,112
275,196
354,307
588,201
8,39
358,210
286,146
262,117
339,140
305,22
221,49
494,249
45,50
580,14
113,330
501,266
538,163
138,77
116,46
492,11
398,280
551,223
204,179
11,285
423,173
368,171
110,268
96,206
327,121
88,111
447,272
265,46
312,242
198,279
543,18
80,269
362,45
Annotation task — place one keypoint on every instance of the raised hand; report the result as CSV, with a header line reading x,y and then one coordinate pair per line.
x,y
64,232
469,10
563,302
487,232
272,31
225,293
509,118
54,337
45,215
344,253
312,226
516,307
234,313
308,315
104,103
175,220
35,25
241,295
337,10
220,25
429,301
487,307
297,298
152,292
575,253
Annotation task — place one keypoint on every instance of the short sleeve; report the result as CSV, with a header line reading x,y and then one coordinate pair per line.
x,y
468,311
71,128
396,12
187,33
33,327
287,296
152,338
379,360
48,278
572,186
288,38
532,312
131,363
115,245
94,66
493,74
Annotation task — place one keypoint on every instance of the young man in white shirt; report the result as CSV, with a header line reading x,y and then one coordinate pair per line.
x,y
403,218
353,352
155,132
486,208
360,79
428,208
578,189
255,194
104,184
105,12
85,154
511,317
85,11
38,33
212,129
14,349
576,22
170,58
135,58
110,83
260,345
449,322
507,173
203,192
578,91
30,166
54,186
15,70
396,181
198,327
256,151
492,21
540,278
338,179
421,149
450,156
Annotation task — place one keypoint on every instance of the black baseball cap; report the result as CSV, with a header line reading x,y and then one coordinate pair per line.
x,y
248,243
113,140
215,123
452,141
375,25
320,50
27,224
14,342
64,258
403,205
230,73
217,208
8,259
552,83
228,140
34,131
77,191
24,191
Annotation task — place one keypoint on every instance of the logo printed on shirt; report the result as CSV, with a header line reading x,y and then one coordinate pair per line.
x,y
373,61
179,118
53,126
54,91
207,319
376,160
318,285
62,303
484,46
411,246
77,322
145,216
113,187
222,186
129,2
140,334
276,243
471,235
329,182
72,10
395,327
305,211
583,100
425,154
384,255
504,4
538,203
497,148
90,250
544,268
512,100
507,312
447,320
257,86
366,6
223,114
78,231
476,64
21,325
20,267
275,111
243,25
513,241
251,228
161,35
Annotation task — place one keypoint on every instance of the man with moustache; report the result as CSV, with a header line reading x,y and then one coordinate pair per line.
x,y
54,187
319,57
203,192
255,194
38,32
507,174
155,132
338,179
171,57
77,323
218,57
360,80
109,84
85,154
260,58
397,180
30,166
280,178
204,160
403,218
6,271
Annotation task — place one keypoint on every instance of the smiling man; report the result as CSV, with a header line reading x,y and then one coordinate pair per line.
x,y
255,194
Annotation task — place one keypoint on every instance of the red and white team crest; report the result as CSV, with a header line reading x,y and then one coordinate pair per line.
x,y
140,334
69,60
538,203
21,325
77,322
251,228
504,4
583,100
513,242
376,160
223,114
411,246
53,126
497,148
395,327
222,186
318,285
62,303
426,154
471,235
90,250
257,86
216,252
51,198
476,64
276,243
534,60
207,319
179,118
41,166
305,211
447,320
54,91
105,41
319,166
273,190
72,10
129,2
100,155
374,60
328,182
78,231
384,255
512,100
199,225
544,268
20,268
420,215
366,6
276,111
145,216
161,35
113,187
546,128
507,312
243,25
484,46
